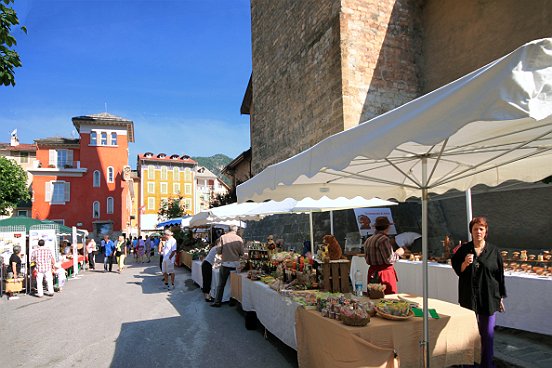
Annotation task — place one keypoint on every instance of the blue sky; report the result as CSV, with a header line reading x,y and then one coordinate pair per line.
x,y
178,69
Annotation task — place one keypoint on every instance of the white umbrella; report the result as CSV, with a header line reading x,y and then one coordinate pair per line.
x,y
490,126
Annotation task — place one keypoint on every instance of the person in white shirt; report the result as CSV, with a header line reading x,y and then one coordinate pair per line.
x,y
207,272
410,240
169,252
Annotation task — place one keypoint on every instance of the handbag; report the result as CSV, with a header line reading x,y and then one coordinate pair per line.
x,y
117,253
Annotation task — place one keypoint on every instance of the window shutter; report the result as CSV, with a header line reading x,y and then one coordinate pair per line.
x,y
70,157
52,157
48,191
67,191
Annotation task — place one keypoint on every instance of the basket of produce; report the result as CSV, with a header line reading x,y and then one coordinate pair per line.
x,y
354,316
397,310
376,291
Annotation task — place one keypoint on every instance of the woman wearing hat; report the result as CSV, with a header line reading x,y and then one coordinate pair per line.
x,y
380,256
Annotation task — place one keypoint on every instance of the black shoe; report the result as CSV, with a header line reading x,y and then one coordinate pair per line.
x,y
216,305
210,300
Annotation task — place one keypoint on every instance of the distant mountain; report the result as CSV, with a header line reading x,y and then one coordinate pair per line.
x,y
214,163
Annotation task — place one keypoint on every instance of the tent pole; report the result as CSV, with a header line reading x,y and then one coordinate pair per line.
x,y
311,233
331,223
469,211
425,341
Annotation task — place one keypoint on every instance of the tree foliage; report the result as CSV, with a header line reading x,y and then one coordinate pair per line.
x,y
13,185
9,58
172,208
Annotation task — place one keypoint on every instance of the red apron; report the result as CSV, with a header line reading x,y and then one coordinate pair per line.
x,y
387,276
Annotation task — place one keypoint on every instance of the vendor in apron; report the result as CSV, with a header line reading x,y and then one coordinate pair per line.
x,y
381,257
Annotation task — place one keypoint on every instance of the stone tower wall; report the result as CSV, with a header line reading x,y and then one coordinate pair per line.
x,y
296,77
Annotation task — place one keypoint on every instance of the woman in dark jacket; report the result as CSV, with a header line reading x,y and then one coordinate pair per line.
x,y
481,283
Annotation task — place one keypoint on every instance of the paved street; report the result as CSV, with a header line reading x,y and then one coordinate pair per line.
x,y
129,320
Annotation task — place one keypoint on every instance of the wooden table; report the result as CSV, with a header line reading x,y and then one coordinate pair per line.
x,y
323,342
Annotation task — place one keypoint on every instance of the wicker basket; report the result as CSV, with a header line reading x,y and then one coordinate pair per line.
x,y
393,317
358,322
375,294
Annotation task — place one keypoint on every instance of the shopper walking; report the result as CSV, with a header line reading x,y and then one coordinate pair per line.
x,y
120,253
109,253
91,251
44,261
169,252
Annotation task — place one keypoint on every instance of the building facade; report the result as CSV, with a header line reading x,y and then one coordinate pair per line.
x,y
163,178
25,156
208,187
81,182
323,66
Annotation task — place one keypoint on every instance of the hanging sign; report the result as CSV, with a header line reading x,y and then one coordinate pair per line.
x,y
8,240
366,218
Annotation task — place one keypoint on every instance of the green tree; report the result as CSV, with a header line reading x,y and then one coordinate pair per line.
x,y
9,59
171,208
13,185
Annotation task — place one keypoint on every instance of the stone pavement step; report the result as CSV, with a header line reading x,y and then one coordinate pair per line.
x,y
523,349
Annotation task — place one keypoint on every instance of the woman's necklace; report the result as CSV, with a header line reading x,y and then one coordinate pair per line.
x,y
479,248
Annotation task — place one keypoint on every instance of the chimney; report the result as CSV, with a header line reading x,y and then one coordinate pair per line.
x,y
14,141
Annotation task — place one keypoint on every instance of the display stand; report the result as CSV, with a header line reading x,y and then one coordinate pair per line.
x,y
9,237
335,276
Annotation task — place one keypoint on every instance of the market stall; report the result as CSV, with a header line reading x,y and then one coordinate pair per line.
x,y
11,236
490,126
324,342
527,304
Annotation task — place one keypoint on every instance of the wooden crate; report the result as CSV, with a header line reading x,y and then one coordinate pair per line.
x,y
236,286
186,259
11,286
335,276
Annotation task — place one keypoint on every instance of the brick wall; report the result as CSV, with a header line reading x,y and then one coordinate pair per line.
x,y
380,43
296,77
461,36
322,66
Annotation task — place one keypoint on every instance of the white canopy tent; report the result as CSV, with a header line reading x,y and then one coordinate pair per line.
x,y
490,126
223,213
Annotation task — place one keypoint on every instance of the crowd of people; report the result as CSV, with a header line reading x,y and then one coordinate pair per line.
x,y
116,251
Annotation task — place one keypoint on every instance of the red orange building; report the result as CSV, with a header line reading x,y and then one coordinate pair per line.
x,y
84,182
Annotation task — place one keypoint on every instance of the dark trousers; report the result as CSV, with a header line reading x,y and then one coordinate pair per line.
x,y
91,261
486,330
224,274
207,275
109,260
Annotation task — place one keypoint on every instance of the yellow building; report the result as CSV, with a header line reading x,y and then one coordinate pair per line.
x,y
164,177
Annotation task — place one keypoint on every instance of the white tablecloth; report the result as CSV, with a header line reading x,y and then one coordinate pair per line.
x,y
275,312
527,305
197,277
